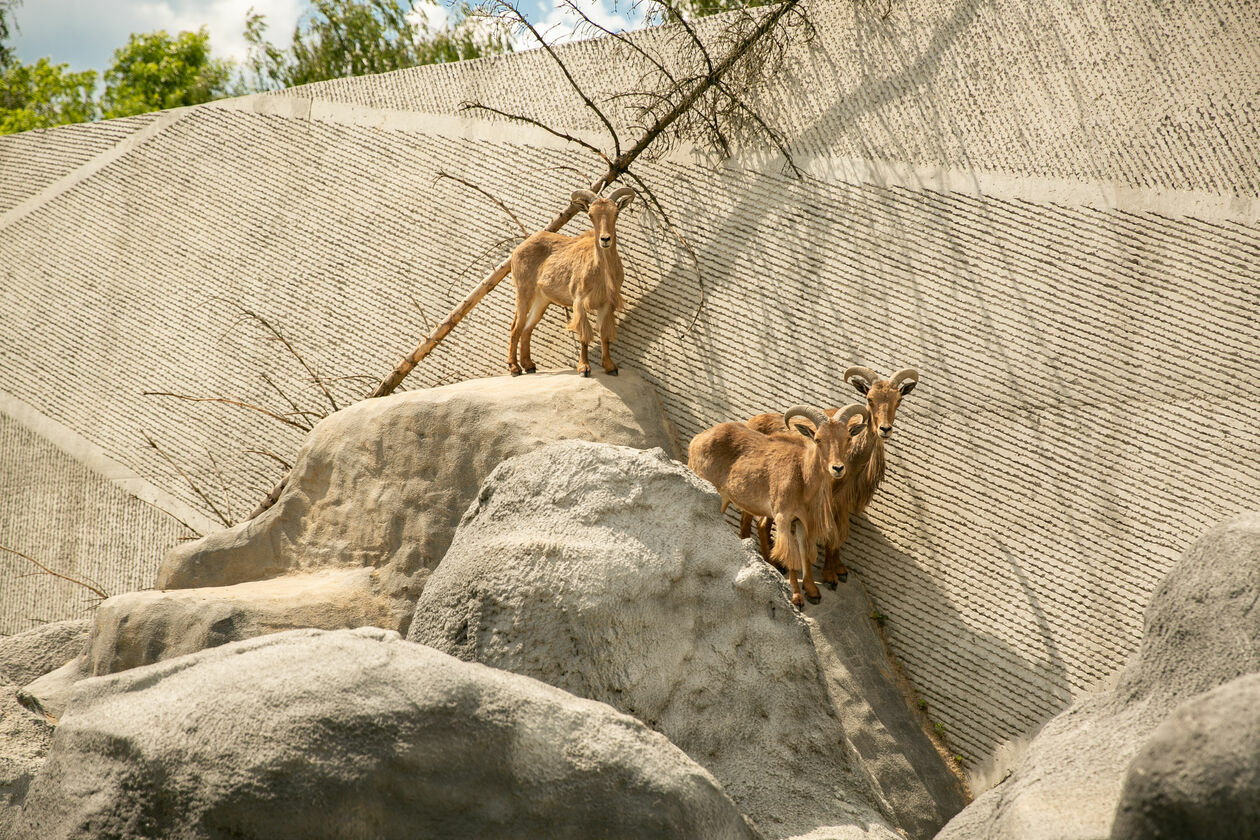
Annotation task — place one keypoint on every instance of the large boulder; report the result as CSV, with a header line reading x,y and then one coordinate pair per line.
x,y
1198,775
25,737
26,656
610,573
368,510
357,734
383,483
1200,631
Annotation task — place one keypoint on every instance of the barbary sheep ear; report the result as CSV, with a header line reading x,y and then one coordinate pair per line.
x,y
905,379
804,429
860,378
583,199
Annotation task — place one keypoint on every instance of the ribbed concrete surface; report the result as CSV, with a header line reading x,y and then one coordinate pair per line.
x,y
34,159
1130,93
1089,389
67,517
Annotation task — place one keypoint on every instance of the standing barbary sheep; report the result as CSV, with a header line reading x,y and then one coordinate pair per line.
x,y
582,272
882,398
854,493
787,477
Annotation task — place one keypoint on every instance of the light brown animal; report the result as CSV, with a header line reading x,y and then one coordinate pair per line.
x,y
581,272
786,477
855,492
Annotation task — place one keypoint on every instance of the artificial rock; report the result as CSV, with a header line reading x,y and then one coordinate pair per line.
x,y
609,572
357,734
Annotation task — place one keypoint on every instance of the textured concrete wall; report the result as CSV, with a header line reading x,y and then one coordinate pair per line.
x,y
1050,213
73,520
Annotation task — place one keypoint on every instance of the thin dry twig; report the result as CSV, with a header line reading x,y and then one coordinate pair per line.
x,y
279,336
226,401
469,106
297,410
273,456
195,488
442,173
86,585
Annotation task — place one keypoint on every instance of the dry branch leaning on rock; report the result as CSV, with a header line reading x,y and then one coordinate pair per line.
x,y
580,272
787,477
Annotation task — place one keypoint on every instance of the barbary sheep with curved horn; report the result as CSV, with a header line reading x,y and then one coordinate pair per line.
x,y
581,272
787,477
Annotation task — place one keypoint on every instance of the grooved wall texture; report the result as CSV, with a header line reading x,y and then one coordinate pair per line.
x,y
34,159
1090,381
68,518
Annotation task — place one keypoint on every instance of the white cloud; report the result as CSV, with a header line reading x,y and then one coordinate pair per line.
x,y
85,33
561,25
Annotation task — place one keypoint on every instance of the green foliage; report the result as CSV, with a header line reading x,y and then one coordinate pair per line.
x,y
155,71
7,56
338,38
44,94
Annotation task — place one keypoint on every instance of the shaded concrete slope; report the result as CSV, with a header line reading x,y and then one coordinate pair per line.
x,y
1089,381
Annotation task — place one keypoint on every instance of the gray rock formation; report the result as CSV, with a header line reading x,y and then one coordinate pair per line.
x,y
24,737
369,509
25,656
1201,631
609,572
353,734
1198,775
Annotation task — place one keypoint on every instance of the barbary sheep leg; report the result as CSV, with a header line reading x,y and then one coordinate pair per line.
x,y
782,553
607,333
763,536
532,319
834,570
807,563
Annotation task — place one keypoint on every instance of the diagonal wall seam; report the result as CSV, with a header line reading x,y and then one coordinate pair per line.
x,y
98,460
59,187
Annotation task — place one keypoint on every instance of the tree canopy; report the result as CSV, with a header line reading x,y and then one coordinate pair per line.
x,y
155,71
338,38
44,94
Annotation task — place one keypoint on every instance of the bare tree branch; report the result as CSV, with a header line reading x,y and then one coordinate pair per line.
x,y
89,586
286,420
506,6
468,106
279,336
442,173
196,489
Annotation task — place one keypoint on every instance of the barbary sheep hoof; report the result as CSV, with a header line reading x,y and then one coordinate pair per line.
x,y
814,599
842,577
830,584
799,603
515,371
612,372
584,371
532,369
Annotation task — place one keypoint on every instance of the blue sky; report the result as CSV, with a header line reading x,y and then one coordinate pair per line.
x,y
85,33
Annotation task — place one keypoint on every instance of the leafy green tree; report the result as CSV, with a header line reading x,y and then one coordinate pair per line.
x,y
44,94
7,56
338,38
155,71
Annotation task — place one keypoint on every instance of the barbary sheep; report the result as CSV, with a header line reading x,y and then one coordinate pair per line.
x,y
580,272
854,493
786,477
